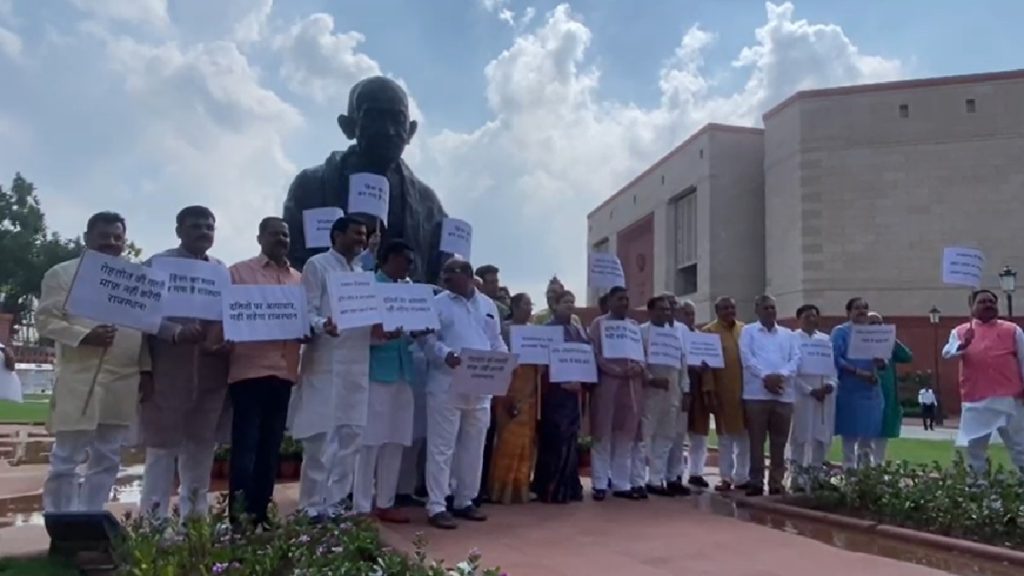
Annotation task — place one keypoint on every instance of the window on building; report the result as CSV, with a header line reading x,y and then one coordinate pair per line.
x,y
904,110
684,210
971,106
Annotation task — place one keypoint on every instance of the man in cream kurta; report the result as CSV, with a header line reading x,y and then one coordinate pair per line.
x,y
99,369
328,407
814,412
457,423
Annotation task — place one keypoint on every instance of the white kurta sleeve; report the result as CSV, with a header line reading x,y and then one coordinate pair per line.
x,y
747,355
51,317
950,350
313,285
793,365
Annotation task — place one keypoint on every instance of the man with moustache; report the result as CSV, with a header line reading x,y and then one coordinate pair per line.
x,y
722,393
991,353
328,411
814,412
685,315
457,422
378,120
190,384
99,371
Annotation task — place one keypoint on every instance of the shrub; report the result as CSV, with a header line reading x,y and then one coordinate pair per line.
x,y
950,501
208,547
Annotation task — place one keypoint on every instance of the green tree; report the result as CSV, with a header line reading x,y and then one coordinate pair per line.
x,y
28,249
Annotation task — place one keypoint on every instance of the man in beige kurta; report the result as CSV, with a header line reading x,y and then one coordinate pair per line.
x,y
96,389
723,393
185,413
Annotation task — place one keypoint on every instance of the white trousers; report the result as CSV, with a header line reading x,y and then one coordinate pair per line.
x,y
858,452
194,463
1013,439
611,462
650,462
677,456
377,474
698,455
878,449
734,458
810,453
639,454
65,490
328,469
454,433
412,465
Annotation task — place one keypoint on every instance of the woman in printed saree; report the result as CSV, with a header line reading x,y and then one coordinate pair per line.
x,y
557,477
515,423
892,412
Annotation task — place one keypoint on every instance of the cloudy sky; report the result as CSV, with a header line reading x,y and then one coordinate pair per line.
x,y
531,112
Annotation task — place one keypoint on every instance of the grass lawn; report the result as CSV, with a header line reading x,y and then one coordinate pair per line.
x,y
914,450
32,411
35,567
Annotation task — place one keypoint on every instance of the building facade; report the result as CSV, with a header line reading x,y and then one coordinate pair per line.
x,y
850,191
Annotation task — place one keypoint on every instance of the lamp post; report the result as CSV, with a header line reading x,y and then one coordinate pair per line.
x,y
934,317
1008,282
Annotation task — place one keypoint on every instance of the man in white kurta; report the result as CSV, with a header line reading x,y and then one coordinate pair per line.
x,y
328,407
663,398
814,411
99,370
457,423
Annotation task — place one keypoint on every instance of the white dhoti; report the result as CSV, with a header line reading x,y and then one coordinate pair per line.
x,y
65,490
194,462
978,420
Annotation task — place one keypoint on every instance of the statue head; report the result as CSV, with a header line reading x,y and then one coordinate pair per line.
x,y
378,120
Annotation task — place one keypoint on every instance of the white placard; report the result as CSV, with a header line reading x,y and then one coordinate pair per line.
x,y
483,373
258,313
194,287
816,358
704,347
963,266
353,298
369,194
114,291
10,385
406,306
664,347
605,271
532,343
869,342
456,237
572,362
317,223
621,339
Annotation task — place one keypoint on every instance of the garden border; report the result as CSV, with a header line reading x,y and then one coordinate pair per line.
x,y
777,505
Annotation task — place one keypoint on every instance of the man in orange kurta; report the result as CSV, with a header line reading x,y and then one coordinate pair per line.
x,y
723,394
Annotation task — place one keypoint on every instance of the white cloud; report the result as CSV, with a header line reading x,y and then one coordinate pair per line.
x,y
253,25
149,12
493,5
321,64
10,44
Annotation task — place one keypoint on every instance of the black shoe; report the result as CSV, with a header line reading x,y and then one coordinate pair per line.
x,y
627,495
443,520
471,513
599,495
698,481
640,491
678,489
660,491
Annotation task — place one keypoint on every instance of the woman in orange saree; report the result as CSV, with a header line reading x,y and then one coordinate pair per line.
x,y
515,423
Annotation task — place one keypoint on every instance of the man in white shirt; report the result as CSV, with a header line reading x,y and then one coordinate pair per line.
x,y
456,422
926,398
685,317
771,357
814,411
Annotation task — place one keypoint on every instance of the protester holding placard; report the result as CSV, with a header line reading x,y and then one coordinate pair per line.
x,y
457,422
515,423
722,390
694,421
555,287
556,476
615,407
99,371
190,382
260,378
859,400
329,407
771,357
663,398
391,404
991,354
814,412
892,411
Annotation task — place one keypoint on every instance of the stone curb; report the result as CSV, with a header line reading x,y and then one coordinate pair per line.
x,y
945,543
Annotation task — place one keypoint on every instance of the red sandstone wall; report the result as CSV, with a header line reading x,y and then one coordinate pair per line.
x,y
6,320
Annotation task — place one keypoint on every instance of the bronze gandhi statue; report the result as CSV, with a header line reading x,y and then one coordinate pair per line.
x,y
378,120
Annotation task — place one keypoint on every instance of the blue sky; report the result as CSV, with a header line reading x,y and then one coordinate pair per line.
x,y
532,112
